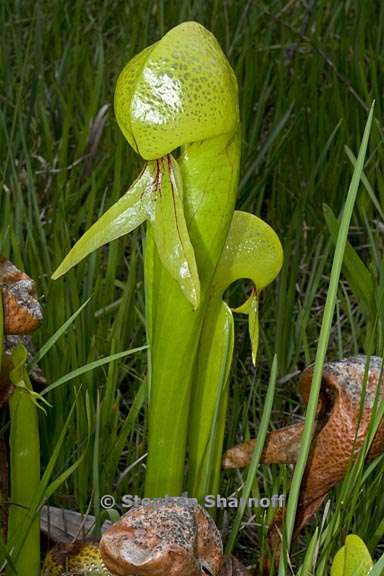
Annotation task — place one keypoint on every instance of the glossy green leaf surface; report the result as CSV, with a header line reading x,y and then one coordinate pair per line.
x,y
353,559
251,308
252,250
170,233
181,89
123,217
157,195
253,325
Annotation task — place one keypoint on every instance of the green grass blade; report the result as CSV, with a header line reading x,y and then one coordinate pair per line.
x,y
378,567
261,436
55,337
91,366
323,344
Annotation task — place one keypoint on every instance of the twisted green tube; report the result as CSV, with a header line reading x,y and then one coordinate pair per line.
x,y
195,92
252,251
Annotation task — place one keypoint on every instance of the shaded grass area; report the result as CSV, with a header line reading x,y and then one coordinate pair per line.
x,y
307,73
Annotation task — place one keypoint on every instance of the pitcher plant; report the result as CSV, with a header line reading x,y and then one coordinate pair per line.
x,y
177,105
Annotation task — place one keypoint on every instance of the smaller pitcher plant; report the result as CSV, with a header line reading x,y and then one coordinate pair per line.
x,y
181,93
20,314
353,559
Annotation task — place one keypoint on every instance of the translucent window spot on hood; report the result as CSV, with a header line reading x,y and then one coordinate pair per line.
x,y
165,87
146,112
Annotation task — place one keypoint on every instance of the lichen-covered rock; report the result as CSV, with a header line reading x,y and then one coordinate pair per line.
x,y
170,539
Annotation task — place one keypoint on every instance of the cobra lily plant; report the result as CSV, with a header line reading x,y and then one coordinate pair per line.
x,y
181,94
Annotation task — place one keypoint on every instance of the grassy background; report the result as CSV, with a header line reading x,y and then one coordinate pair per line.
x,y
307,73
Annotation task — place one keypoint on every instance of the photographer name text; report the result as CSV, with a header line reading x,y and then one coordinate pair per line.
x,y
209,501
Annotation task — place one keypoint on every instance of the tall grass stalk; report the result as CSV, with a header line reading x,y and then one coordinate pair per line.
x,y
323,343
256,457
